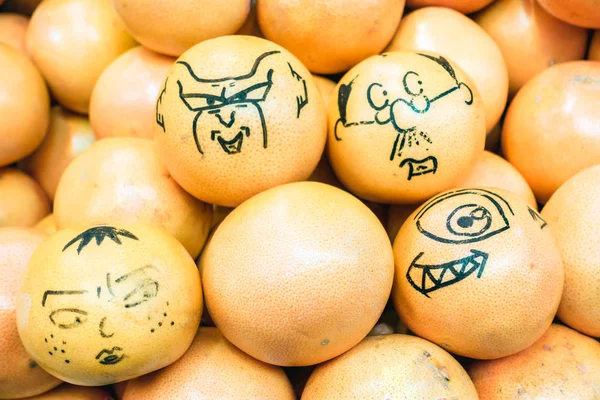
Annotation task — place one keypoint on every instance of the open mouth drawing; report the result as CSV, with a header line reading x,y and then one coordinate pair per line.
x,y
109,357
428,278
234,145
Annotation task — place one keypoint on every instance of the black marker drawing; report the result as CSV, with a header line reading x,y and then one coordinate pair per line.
x,y
133,288
426,278
483,214
302,99
160,119
390,110
537,217
59,293
99,233
68,318
110,357
101,329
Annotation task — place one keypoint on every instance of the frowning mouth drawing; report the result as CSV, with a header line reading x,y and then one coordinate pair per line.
x,y
109,357
426,278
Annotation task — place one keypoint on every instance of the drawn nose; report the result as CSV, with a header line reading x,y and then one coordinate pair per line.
x,y
225,120
105,329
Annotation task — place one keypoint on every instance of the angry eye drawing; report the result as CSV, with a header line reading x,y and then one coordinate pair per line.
x,y
477,215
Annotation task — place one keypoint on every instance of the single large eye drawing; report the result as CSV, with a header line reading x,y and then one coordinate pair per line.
x,y
464,216
68,318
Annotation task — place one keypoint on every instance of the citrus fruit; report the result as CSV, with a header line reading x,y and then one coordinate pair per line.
x,y
22,201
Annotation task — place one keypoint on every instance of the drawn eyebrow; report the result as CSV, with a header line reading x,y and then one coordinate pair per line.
x,y
60,293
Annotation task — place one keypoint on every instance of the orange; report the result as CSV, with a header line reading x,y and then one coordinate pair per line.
x,y
71,392
584,13
307,279
120,180
172,27
463,6
494,171
67,136
478,272
71,42
123,102
562,364
594,50
391,366
462,41
551,128
326,89
22,201
108,303
213,369
24,106
531,40
239,115
13,28
20,376
47,225
574,215
404,126
333,36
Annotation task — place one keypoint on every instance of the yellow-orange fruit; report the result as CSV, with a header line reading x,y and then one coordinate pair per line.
x,y
530,39
574,214
584,13
121,180
68,135
22,201
333,36
478,272
405,126
47,225
108,303
21,6
466,44
123,102
391,367
561,365
20,376
172,27
307,279
463,6
494,171
213,368
326,88
71,42
552,127
72,392
24,106
594,50
13,28
239,115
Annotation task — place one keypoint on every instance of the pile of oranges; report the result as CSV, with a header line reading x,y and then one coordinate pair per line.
x,y
273,199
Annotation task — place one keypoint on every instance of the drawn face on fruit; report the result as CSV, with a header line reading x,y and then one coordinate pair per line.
x,y
98,309
229,109
401,105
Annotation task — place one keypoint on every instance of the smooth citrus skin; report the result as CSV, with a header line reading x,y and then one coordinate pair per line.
x,y
47,225
584,13
552,127
330,37
13,28
172,27
71,392
594,51
404,126
22,201
71,42
562,365
478,272
121,180
24,105
530,39
574,214
108,303
20,376
68,135
298,274
239,115
463,6
465,43
213,368
392,366
124,99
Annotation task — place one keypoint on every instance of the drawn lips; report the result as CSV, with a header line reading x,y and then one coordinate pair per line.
x,y
109,357
426,278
